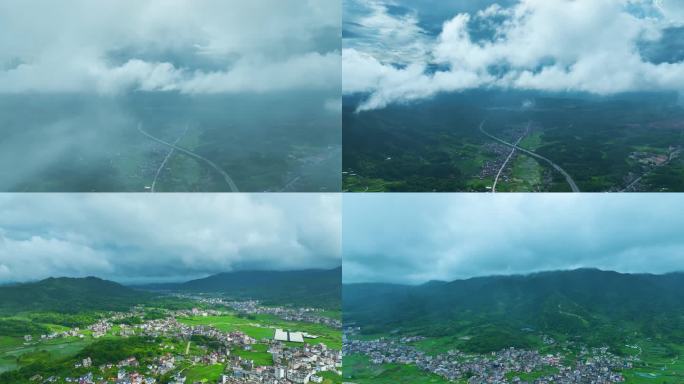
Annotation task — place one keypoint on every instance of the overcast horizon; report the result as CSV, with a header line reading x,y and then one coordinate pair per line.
x,y
416,238
145,238
516,274
167,281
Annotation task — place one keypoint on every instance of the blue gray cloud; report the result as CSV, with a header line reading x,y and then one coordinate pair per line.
x,y
414,238
141,237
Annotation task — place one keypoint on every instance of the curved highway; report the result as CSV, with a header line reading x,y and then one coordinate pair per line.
x,y
231,184
166,160
555,166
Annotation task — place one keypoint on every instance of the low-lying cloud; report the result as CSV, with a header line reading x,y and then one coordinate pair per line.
x,y
558,45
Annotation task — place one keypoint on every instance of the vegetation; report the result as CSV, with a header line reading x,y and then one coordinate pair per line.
x,y
631,314
358,369
295,146
67,295
436,145
314,288
262,327
14,327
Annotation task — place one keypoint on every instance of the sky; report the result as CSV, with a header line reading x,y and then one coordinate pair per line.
x,y
416,238
400,51
188,46
139,238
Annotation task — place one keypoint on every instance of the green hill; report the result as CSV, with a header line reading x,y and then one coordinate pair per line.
x,y
69,295
596,306
313,287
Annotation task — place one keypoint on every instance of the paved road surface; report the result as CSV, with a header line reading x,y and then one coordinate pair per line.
x,y
231,184
555,166
166,159
503,166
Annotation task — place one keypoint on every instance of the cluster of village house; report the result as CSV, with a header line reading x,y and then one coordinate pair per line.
x,y
594,365
254,307
292,363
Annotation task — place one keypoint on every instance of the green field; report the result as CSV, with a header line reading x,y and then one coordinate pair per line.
x,y
330,378
436,145
657,365
263,327
258,354
358,369
204,373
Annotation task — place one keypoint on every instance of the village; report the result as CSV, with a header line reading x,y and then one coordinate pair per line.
x,y
594,365
255,307
293,360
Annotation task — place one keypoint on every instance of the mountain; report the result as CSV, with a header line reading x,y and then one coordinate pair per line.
x,y
69,295
596,306
313,287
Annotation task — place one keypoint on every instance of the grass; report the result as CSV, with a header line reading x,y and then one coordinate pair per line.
x,y
204,373
360,370
365,184
258,354
532,141
531,376
526,175
330,378
655,367
439,345
262,327
11,351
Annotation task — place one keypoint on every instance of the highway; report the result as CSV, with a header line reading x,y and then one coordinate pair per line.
x,y
555,166
638,179
166,159
503,166
231,184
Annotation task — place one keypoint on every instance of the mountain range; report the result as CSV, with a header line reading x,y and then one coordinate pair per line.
x,y
320,288
596,306
69,295
312,287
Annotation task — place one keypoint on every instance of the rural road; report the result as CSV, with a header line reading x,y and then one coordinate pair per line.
x,y
555,166
231,184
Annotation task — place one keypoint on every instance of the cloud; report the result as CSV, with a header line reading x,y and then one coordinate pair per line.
x,y
414,238
172,237
559,45
203,46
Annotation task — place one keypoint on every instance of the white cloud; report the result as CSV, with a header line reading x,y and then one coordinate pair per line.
x,y
72,45
396,38
308,71
556,45
145,237
24,259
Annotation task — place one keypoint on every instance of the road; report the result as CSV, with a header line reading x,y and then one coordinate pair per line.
x,y
289,184
231,184
555,166
503,166
638,179
166,159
